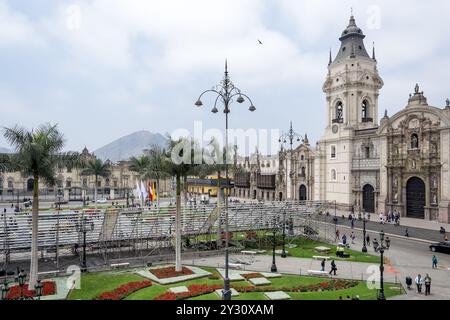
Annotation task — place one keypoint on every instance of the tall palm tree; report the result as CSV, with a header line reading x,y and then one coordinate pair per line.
x,y
178,164
38,154
97,168
157,168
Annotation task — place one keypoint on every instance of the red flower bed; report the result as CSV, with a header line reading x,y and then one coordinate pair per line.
x,y
124,291
252,276
200,290
48,289
170,272
195,290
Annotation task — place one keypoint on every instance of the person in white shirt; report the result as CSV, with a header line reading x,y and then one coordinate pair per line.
x,y
419,283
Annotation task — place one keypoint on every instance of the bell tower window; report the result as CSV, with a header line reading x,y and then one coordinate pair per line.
x,y
339,111
365,111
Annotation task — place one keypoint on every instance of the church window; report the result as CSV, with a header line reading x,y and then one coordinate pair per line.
x,y
333,175
339,112
302,157
365,110
333,152
414,141
367,151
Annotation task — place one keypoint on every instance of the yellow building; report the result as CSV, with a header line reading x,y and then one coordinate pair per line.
x,y
208,185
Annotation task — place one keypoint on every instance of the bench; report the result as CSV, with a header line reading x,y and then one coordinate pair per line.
x,y
252,253
322,249
318,273
321,258
49,273
120,265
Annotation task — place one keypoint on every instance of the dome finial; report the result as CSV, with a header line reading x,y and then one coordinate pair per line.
x,y
331,59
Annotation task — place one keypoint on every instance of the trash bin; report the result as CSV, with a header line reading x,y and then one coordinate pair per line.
x,y
408,281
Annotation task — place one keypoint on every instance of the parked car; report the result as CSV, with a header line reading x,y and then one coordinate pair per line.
x,y
102,201
443,247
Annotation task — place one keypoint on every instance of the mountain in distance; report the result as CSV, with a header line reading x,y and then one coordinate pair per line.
x,y
129,146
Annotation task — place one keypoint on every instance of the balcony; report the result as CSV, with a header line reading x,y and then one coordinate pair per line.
x,y
338,121
367,120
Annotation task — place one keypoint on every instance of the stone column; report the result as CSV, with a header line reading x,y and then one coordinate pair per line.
x,y
112,194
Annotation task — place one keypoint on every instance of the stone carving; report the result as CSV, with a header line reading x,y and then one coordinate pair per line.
x,y
434,198
434,182
413,164
395,181
416,89
395,197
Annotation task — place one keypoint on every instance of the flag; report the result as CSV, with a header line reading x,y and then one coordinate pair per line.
x,y
154,192
137,191
150,192
144,191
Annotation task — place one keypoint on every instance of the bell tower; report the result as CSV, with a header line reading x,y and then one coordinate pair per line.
x,y
352,87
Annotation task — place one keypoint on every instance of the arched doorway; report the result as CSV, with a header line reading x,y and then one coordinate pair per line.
x,y
303,193
415,198
30,185
369,199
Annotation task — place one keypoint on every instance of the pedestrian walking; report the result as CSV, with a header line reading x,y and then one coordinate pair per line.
x,y
368,240
419,283
337,236
427,285
352,236
434,261
388,243
353,223
344,240
322,265
407,233
446,238
333,267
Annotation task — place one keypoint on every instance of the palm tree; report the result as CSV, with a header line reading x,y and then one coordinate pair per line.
x,y
178,164
157,168
38,154
97,168
5,162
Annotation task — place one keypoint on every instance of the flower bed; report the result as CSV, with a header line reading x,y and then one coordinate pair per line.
x,y
324,286
195,290
200,290
124,291
48,289
252,276
165,273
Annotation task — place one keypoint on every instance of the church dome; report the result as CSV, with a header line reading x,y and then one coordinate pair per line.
x,y
352,42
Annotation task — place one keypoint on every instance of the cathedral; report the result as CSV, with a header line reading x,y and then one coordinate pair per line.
x,y
399,163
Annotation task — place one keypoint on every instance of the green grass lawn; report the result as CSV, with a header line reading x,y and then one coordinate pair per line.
x,y
97,283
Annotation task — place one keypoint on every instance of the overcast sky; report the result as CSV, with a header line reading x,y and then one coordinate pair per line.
x,y
102,69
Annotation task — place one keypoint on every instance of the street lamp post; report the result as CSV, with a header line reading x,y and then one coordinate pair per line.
x,y
364,248
381,295
283,253
274,244
21,278
83,228
57,230
226,92
4,290
291,135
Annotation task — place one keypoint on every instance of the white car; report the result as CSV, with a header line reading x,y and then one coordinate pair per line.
x,y
102,201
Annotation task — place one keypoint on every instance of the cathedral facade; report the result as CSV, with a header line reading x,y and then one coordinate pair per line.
x,y
399,163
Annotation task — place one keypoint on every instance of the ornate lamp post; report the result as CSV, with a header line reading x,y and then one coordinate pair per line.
x,y
83,228
21,278
381,295
290,136
4,290
274,244
39,288
226,92
364,248
283,252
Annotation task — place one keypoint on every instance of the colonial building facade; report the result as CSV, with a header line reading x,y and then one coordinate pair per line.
x,y
75,187
401,163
